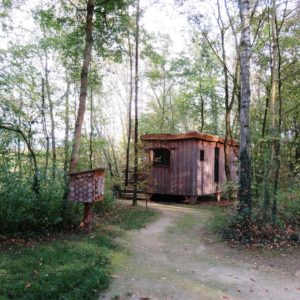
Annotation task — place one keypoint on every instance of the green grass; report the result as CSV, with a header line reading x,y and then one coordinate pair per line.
x,y
137,217
69,267
218,221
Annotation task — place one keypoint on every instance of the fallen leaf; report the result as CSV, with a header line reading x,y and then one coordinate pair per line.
x,y
28,285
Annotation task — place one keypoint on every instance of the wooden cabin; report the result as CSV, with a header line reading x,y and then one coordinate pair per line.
x,y
189,164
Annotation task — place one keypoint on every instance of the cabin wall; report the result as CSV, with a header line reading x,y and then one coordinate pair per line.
x,y
180,177
187,175
205,169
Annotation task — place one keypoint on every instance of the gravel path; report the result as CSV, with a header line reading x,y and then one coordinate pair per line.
x,y
175,258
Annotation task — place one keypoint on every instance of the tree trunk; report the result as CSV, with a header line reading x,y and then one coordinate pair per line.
x,y
91,129
44,121
244,191
67,128
129,111
276,68
53,139
136,81
83,85
228,105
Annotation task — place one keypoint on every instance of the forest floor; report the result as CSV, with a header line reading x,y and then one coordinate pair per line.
x,y
176,257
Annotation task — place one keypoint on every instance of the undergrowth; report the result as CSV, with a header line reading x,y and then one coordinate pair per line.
x,y
260,230
68,266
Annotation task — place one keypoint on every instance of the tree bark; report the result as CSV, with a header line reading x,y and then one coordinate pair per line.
x,y
129,111
83,85
67,127
244,191
91,128
53,139
136,81
44,121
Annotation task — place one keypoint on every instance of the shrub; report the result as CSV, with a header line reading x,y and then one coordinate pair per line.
x,y
21,210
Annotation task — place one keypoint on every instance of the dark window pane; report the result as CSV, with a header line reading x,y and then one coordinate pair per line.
x,y
161,157
202,155
217,151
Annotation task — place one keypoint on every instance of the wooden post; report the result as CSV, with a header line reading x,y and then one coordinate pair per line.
x,y
88,217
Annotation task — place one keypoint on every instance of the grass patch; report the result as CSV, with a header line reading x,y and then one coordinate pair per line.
x,y
70,266
184,224
136,217
76,267
218,221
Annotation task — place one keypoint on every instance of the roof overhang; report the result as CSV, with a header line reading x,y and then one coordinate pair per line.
x,y
187,136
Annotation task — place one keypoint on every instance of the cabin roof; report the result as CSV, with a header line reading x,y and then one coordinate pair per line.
x,y
88,171
186,136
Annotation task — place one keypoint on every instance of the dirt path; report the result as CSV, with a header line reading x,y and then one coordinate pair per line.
x,y
173,258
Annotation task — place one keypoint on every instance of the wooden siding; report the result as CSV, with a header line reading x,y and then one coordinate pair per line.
x,y
180,177
187,175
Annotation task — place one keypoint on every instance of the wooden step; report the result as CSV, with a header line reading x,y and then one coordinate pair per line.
x,y
128,195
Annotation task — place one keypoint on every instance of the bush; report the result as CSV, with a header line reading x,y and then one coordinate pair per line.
x,y
261,230
21,210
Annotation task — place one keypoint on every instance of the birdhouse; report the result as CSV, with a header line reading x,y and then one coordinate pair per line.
x,y
87,186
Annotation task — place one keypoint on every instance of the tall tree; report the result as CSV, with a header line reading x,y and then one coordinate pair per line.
x,y
129,108
244,191
136,88
83,85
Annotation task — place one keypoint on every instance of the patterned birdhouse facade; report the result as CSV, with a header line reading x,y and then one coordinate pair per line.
x,y
87,186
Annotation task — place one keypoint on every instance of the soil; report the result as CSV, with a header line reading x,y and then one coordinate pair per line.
x,y
177,258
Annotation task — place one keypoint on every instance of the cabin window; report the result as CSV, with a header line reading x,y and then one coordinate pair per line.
x,y
201,155
161,157
216,169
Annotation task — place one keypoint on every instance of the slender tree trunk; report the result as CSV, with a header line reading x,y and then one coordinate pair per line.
x,y
51,110
129,111
136,81
202,110
83,85
227,105
44,121
91,129
67,127
244,191
264,124
19,152
277,87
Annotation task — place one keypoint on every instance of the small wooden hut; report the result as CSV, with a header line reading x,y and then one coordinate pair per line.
x,y
87,187
189,164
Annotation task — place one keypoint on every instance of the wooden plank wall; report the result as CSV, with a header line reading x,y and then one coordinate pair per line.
x,y
187,175
180,177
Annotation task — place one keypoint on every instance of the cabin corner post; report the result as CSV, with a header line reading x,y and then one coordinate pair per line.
x,y
218,193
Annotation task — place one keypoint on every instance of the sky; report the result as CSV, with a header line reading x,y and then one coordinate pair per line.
x,y
165,17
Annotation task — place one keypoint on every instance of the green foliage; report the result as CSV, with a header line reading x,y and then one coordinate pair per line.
x,y
22,211
67,268
289,206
